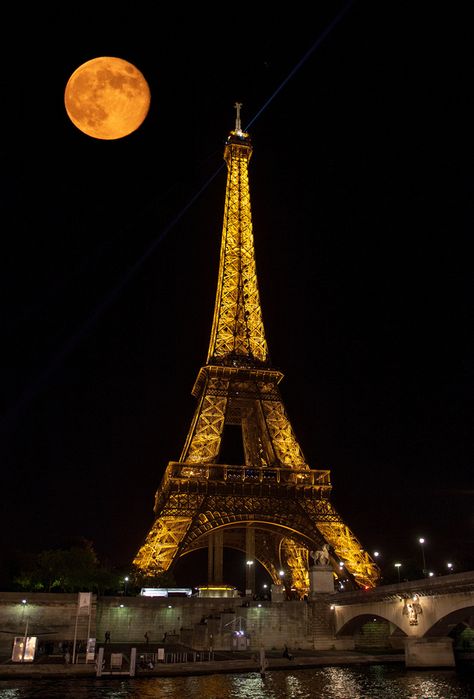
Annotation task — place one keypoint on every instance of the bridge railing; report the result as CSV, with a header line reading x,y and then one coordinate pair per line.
x,y
440,585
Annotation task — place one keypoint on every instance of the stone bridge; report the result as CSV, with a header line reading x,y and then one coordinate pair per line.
x,y
423,616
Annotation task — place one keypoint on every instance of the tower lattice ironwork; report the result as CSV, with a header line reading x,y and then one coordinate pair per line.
x,y
273,507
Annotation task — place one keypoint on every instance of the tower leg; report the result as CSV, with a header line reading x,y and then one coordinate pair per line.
x,y
218,556
210,559
215,558
250,561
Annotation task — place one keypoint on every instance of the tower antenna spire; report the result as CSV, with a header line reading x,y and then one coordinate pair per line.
x,y
238,125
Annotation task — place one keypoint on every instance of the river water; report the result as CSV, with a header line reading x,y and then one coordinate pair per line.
x,y
346,682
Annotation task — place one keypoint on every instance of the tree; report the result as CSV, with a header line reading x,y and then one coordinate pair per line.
x,y
71,569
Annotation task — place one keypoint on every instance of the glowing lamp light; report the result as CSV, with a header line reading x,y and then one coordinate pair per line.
x,y
24,601
215,587
281,573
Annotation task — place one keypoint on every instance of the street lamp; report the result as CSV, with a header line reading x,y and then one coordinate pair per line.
x,y
397,566
450,567
25,637
421,542
126,579
376,558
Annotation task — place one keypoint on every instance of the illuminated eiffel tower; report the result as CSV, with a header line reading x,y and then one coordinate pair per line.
x,y
273,507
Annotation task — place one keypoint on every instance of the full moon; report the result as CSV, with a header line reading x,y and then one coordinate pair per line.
x,y
107,98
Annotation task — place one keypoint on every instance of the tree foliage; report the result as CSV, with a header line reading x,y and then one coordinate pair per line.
x,y
73,568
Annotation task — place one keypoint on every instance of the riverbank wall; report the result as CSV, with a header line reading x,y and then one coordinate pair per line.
x,y
200,623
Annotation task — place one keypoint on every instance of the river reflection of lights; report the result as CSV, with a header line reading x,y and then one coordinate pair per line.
x,y
295,688
342,683
379,681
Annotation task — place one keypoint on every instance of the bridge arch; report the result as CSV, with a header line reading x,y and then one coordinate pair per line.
x,y
371,632
357,622
452,623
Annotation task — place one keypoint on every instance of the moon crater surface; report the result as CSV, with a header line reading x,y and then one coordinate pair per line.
x,y
107,98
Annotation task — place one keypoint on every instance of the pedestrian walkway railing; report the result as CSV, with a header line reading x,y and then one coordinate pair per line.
x,y
189,656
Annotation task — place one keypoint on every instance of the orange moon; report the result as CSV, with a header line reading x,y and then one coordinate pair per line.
x,y
107,98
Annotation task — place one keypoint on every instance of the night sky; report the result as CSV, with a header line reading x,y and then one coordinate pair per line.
x,y
362,200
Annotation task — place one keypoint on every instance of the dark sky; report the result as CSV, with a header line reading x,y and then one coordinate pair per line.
x,y
362,200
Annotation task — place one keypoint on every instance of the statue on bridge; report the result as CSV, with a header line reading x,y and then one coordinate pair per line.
x,y
412,609
321,557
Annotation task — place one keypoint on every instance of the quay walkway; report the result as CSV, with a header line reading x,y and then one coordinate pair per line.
x,y
223,663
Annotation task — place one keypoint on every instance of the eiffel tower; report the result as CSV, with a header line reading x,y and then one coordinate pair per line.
x,y
274,506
